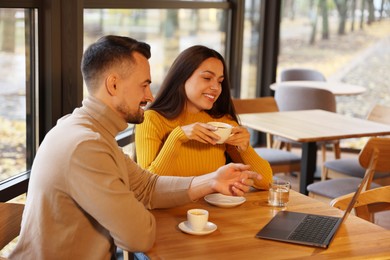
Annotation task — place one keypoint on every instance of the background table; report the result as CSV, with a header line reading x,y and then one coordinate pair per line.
x,y
309,127
237,227
337,88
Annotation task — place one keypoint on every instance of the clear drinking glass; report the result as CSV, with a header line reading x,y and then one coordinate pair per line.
x,y
279,191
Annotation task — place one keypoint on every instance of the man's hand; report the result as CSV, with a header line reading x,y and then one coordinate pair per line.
x,y
232,179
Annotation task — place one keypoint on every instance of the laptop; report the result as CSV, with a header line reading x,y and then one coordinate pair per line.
x,y
307,229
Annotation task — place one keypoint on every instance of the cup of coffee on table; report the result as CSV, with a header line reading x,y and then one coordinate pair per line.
x,y
197,219
278,194
223,131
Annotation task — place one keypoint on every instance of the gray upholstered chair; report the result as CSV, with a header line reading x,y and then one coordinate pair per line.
x,y
374,157
290,98
343,168
301,74
280,161
297,74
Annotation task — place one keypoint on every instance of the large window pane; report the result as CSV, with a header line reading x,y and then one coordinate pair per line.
x,y
168,31
343,44
15,65
251,42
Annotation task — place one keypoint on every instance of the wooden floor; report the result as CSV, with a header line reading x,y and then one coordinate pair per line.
x,y
382,219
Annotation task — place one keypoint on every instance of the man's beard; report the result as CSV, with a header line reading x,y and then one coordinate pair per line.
x,y
131,118
137,118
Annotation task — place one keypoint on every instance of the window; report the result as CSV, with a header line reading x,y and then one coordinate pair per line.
x,y
67,27
167,31
17,91
343,44
251,49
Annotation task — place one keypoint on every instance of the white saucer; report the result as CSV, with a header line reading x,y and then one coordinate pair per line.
x,y
224,201
210,228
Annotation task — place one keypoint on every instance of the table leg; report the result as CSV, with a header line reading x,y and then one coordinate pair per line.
x,y
308,165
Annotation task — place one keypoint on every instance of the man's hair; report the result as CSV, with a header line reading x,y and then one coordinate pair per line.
x,y
107,52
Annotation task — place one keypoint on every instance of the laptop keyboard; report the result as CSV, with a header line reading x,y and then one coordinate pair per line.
x,y
313,229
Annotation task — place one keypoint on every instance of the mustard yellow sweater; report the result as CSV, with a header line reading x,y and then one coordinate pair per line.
x,y
163,148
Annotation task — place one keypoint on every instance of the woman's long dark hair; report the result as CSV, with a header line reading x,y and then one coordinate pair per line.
x,y
171,98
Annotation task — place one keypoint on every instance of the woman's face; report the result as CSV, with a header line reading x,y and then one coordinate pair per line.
x,y
204,86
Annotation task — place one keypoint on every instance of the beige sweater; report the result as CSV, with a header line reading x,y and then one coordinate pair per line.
x,y
85,195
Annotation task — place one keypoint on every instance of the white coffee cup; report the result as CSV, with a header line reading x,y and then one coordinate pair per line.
x,y
224,131
197,219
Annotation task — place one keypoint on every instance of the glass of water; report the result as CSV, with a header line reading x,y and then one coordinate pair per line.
x,y
279,191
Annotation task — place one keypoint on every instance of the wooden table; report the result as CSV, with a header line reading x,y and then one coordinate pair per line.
x,y
337,88
237,227
309,127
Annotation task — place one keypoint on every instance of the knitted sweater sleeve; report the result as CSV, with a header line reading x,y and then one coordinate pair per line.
x,y
257,164
153,152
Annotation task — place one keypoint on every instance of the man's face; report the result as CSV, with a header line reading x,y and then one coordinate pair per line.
x,y
134,91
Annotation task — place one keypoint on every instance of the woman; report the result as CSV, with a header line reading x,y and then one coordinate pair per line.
x,y
175,134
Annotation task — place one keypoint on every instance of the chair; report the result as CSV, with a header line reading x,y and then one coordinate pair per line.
x,y
343,168
373,157
280,161
10,220
368,203
289,98
301,74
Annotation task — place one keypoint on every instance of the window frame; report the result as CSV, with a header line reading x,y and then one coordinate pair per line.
x,y
17,185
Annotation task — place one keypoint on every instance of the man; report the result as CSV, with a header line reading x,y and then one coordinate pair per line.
x,y
85,195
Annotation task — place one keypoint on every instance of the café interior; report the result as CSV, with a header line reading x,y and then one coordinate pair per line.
x,y
309,80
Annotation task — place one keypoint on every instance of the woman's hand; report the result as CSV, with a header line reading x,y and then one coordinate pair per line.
x,y
234,179
201,132
240,138
231,179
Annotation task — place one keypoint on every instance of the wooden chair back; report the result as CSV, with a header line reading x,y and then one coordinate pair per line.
x,y
374,157
369,202
380,114
256,105
10,221
375,147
